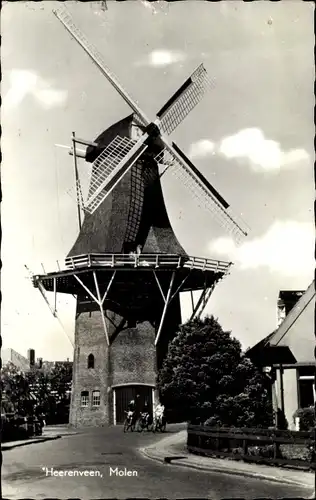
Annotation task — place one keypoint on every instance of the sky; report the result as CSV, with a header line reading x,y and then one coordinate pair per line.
x,y
251,136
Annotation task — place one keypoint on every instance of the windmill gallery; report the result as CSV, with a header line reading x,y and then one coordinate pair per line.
x,y
127,268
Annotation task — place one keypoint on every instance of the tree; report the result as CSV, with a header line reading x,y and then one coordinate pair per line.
x,y
39,383
37,391
51,388
206,377
61,380
16,391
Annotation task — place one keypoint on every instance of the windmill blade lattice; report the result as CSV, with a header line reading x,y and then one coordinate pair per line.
x,y
110,166
184,100
108,160
66,19
203,192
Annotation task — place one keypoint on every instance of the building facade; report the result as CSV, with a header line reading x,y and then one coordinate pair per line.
x,y
288,354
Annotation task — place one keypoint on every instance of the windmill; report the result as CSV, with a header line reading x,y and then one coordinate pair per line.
x,y
120,155
127,268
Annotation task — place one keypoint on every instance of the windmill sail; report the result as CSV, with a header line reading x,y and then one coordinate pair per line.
x,y
65,18
109,168
184,100
206,194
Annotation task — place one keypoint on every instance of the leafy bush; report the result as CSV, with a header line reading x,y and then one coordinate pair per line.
x,y
207,378
307,418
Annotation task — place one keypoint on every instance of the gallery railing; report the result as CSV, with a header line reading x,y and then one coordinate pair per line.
x,y
146,260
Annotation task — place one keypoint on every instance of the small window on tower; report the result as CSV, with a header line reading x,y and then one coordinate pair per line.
x,y
90,361
85,398
96,398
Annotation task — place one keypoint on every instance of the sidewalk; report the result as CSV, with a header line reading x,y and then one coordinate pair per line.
x,y
36,439
61,430
50,433
175,446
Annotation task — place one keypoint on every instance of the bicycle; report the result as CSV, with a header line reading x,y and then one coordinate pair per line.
x,y
159,424
129,422
144,422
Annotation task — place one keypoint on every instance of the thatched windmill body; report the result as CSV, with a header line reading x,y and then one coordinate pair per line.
x,y
127,267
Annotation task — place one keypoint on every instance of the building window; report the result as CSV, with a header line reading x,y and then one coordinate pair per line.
x,y
85,398
90,361
306,386
96,398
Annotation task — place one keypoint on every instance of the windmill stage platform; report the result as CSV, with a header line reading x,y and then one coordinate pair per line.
x,y
134,282
192,272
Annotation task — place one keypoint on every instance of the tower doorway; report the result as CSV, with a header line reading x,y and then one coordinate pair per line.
x,y
124,394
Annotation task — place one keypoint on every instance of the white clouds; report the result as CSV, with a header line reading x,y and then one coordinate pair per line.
x,y
165,57
286,248
162,57
201,149
251,146
23,83
50,98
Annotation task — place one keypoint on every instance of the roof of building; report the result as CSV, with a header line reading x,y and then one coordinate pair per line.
x,y
11,355
273,347
293,315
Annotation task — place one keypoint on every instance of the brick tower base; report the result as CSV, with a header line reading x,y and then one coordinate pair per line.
x,y
130,362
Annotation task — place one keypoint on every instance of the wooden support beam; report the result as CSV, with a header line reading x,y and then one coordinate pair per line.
x,y
52,310
101,308
76,179
206,298
159,286
179,287
85,142
108,288
118,329
199,302
55,295
167,300
86,289
43,292
192,300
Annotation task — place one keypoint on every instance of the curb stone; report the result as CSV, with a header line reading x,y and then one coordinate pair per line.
x,y
5,447
166,450
254,475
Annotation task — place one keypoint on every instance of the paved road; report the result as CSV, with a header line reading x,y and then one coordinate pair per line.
x,y
107,448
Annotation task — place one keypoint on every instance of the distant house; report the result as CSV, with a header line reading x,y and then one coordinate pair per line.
x,y
28,363
288,353
11,356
